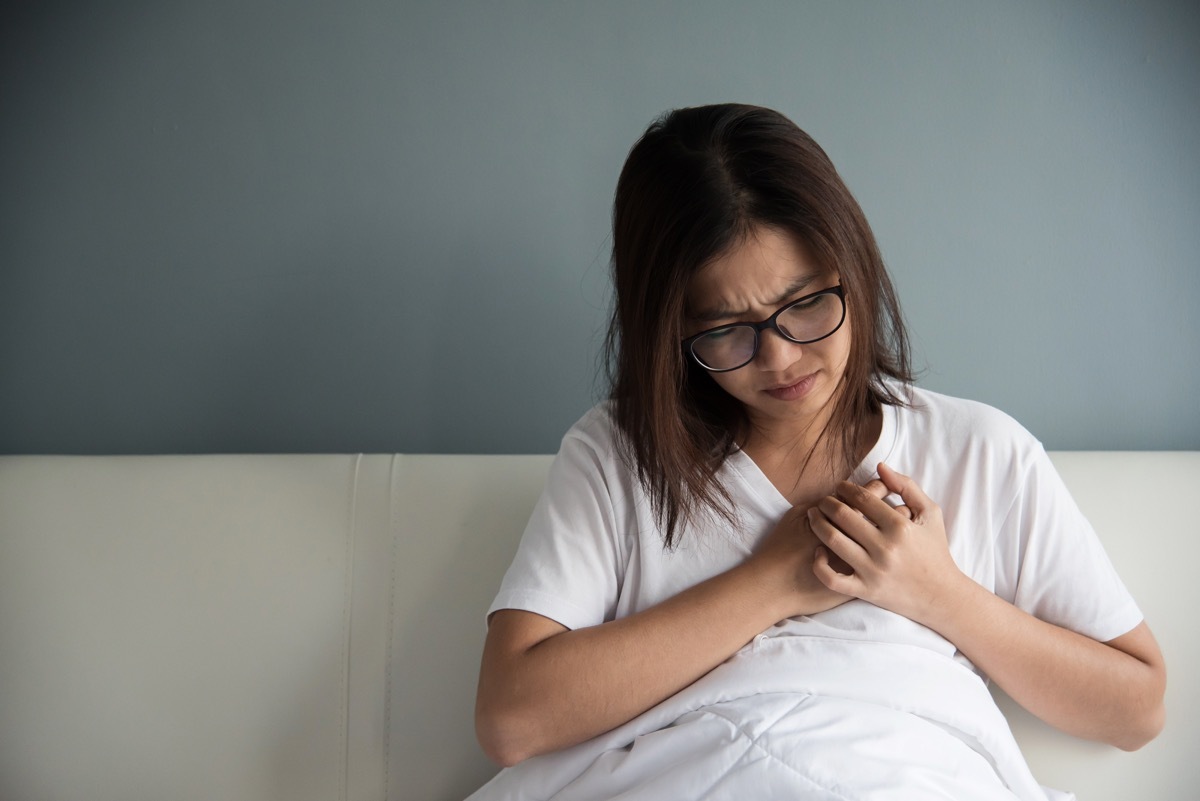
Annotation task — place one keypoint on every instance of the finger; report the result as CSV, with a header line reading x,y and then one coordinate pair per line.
x,y
877,488
850,522
834,579
836,562
826,557
880,490
866,503
844,545
913,496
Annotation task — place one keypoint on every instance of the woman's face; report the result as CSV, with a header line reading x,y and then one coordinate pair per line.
x,y
786,385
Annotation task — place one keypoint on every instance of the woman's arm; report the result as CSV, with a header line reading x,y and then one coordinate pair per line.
x,y
543,687
1111,691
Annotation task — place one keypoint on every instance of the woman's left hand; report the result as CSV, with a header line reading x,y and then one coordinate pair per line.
x,y
904,565
900,556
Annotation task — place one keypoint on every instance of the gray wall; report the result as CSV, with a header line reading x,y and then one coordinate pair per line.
x,y
259,225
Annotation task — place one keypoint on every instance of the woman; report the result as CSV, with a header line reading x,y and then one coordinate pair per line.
x,y
765,469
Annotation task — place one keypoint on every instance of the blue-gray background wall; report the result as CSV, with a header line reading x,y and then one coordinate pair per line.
x,y
260,225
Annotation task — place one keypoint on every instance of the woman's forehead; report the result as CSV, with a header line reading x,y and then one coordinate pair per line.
x,y
764,270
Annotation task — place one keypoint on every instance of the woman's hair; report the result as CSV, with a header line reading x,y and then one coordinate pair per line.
x,y
696,184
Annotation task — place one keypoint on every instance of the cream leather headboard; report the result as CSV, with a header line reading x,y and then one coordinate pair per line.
x,y
309,627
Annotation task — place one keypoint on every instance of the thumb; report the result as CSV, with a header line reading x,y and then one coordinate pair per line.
x,y
914,497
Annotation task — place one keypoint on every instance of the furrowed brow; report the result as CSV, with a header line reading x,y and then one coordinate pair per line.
x,y
715,313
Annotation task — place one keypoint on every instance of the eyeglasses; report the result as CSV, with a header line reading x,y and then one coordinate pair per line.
x,y
809,319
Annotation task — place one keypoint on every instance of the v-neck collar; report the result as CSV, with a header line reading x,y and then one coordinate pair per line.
x,y
757,482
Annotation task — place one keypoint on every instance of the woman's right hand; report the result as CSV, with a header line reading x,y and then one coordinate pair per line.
x,y
785,557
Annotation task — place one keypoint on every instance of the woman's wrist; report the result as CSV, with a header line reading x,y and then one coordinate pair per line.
x,y
954,602
778,591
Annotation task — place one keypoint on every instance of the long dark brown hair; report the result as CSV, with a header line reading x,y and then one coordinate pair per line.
x,y
696,183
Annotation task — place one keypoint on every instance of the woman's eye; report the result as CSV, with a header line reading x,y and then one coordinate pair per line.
x,y
720,333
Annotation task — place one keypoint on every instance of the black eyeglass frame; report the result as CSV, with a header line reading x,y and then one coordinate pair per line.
x,y
770,322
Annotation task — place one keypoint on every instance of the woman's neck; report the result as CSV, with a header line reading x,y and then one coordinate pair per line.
x,y
805,462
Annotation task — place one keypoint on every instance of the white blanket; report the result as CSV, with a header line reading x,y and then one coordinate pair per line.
x,y
800,718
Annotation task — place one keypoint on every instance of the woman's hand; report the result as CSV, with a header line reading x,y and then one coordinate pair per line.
x,y
788,557
904,565
785,559
898,558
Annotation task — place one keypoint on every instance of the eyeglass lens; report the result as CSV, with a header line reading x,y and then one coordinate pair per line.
x,y
735,345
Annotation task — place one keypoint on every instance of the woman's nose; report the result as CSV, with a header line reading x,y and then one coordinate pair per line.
x,y
775,351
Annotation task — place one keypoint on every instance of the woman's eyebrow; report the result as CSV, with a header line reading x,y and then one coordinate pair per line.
x,y
715,313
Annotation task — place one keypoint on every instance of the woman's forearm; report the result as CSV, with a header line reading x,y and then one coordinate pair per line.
x,y
1111,692
543,687
1103,691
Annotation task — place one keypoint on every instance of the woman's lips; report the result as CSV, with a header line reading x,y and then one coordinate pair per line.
x,y
791,392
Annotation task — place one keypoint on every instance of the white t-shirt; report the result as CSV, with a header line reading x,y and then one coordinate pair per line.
x,y
593,550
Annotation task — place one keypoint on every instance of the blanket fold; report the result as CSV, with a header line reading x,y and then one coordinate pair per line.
x,y
799,717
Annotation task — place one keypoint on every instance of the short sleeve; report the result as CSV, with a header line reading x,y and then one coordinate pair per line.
x,y
1053,564
571,558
